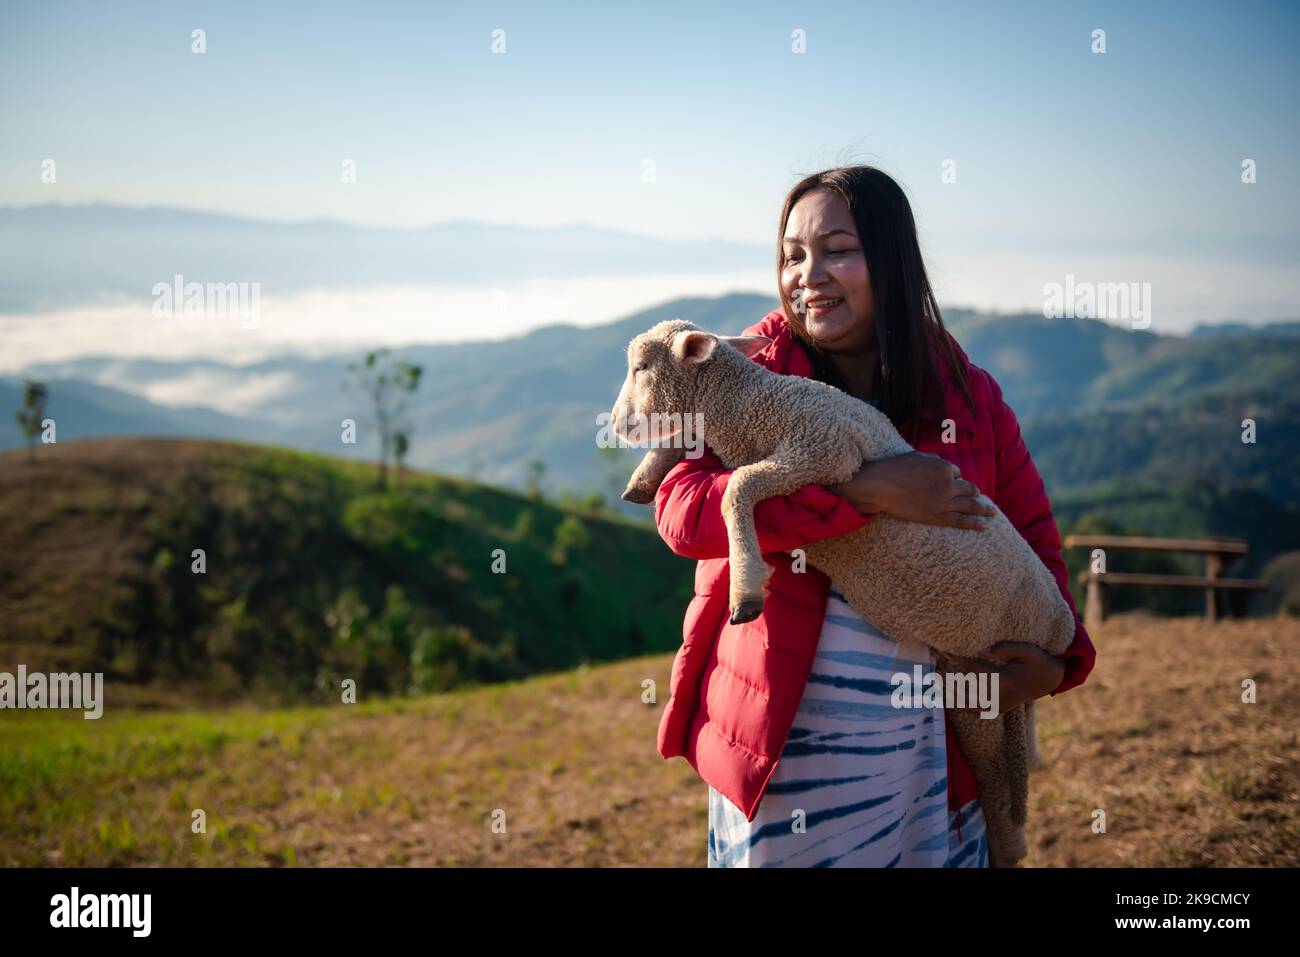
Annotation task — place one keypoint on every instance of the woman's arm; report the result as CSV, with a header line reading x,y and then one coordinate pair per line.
x,y
916,487
1023,499
688,512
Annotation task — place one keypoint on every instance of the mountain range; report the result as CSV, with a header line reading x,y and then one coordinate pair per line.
x,y
1133,425
55,256
487,409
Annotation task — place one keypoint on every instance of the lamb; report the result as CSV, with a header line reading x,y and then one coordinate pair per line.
x,y
959,591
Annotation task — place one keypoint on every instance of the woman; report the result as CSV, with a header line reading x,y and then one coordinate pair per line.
x,y
788,717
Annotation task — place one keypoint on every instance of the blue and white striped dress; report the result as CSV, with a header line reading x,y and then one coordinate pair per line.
x,y
870,779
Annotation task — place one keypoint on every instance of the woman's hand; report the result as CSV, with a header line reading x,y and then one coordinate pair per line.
x,y
1026,672
916,487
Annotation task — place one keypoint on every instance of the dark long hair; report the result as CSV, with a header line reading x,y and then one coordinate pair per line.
x,y
906,312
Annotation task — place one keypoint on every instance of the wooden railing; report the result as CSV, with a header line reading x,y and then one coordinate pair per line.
x,y
1218,553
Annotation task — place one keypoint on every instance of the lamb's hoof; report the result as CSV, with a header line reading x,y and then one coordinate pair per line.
x,y
747,610
637,495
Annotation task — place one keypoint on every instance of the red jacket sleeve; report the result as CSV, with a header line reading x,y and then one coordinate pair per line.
x,y
688,512
1023,499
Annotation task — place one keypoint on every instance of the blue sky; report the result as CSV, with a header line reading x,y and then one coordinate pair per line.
x,y
1107,158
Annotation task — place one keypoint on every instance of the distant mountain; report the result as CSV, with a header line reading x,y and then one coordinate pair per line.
x,y
1162,445
1217,330
1258,367
1050,365
56,256
86,410
1098,404
484,408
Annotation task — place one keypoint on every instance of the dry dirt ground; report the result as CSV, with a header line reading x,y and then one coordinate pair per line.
x,y
1158,739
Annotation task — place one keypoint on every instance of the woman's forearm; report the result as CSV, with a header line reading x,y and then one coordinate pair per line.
x,y
862,490
917,487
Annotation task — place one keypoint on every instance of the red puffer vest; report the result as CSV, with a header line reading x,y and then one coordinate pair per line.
x,y
731,729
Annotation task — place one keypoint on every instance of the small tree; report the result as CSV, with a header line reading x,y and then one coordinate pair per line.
x,y
536,471
401,445
570,535
388,383
32,414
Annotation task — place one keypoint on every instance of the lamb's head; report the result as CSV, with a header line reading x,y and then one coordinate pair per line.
x,y
666,367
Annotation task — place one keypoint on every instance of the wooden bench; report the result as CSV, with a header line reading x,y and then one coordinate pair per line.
x,y
1217,551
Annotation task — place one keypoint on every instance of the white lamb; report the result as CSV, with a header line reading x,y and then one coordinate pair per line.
x,y
960,591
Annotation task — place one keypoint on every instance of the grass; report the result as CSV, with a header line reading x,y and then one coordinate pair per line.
x,y
1157,739
411,781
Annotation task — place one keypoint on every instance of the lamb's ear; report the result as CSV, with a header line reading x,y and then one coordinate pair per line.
x,y
693,346
748,345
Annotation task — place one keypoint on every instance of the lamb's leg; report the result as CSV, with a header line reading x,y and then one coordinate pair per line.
x,y
1016,749
982,742
749,485
644,483
1007,846
1031,737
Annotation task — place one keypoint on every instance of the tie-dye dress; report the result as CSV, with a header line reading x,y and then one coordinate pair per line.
x,y
860,783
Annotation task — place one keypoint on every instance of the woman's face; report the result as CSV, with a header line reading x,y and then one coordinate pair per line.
x,y
825,273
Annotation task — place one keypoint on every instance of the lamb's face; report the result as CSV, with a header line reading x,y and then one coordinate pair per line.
x,y
662,365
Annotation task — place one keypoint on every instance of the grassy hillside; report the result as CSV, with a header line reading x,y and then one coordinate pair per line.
x,y
1262,368
1157,737
312,576
1049,365
1171,446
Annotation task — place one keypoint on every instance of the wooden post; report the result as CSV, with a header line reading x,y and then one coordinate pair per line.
x,y
1094,607
1213,569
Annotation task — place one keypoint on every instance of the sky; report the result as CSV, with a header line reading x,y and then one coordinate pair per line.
x,y
1115,166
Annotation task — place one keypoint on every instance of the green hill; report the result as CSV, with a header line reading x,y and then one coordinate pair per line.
x,y
1259,368
312,575
1171,445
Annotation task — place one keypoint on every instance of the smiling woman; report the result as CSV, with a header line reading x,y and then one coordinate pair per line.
x,y
817,228
848,254
808,761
